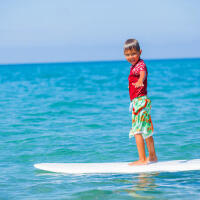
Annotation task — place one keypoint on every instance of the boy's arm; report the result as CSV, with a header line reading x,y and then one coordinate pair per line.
x,y
140,81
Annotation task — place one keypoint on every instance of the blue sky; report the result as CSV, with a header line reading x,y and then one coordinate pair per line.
x,y
89,30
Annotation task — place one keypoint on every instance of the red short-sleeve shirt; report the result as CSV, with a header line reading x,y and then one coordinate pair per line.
x,y
133,78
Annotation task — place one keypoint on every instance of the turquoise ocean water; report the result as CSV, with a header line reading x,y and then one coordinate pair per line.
x,y
78,112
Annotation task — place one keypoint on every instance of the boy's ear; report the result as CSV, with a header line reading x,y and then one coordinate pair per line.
x,y
140,51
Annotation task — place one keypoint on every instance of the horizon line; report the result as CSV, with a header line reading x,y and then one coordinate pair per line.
x,y
94,61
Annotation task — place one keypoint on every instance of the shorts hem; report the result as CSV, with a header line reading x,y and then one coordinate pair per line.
x,y
145,137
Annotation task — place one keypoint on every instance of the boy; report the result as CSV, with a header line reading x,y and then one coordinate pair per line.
x,y
142,127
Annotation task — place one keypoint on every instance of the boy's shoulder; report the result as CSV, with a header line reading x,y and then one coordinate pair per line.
x,y
140,63
140,66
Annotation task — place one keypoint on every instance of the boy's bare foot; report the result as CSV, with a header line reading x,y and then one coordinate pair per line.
x,y
152,159
138,162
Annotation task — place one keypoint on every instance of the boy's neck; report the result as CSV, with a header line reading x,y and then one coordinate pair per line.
x,y
137,62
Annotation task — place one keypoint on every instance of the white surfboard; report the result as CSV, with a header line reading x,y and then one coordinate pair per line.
x,y
120,167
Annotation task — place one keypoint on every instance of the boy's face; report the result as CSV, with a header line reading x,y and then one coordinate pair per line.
x,y
132,56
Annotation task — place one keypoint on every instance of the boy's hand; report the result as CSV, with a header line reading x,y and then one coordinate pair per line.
x,y
138,84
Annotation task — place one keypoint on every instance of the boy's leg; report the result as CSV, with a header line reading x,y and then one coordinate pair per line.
x,y
150,146
141,150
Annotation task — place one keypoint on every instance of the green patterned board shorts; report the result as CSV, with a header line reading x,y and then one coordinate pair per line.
x,y
141,118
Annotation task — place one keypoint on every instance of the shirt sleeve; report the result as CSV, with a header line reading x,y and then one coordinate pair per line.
x,y
142,67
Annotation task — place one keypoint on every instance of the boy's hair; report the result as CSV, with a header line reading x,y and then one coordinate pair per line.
x,y
131,44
